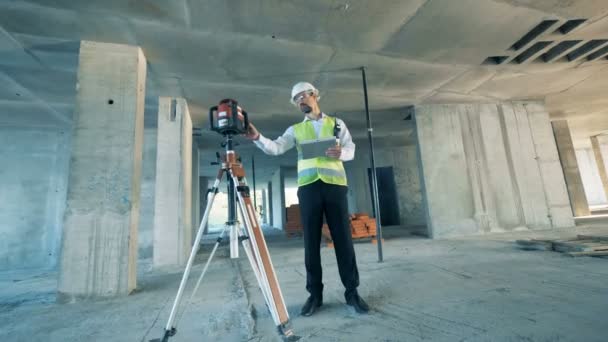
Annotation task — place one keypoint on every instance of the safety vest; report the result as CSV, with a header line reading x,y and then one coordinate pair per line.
x,y
328,170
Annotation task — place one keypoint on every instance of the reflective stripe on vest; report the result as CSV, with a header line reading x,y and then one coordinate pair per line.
x,y
329,170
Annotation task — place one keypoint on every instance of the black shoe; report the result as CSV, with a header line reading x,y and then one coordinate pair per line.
x,y
359,304
311,305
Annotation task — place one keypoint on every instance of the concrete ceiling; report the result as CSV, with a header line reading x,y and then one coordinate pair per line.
x,y
418,51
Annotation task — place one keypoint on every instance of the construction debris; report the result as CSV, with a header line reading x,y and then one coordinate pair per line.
x,y
294,221
362,227
582,245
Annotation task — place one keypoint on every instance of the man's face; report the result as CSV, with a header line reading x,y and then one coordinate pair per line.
x,y
305,101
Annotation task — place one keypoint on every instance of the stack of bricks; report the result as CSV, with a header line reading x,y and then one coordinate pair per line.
x,y
358,228
294,222
362,226
325,232
371,226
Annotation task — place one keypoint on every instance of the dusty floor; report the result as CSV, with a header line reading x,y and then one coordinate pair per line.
x,y
475,289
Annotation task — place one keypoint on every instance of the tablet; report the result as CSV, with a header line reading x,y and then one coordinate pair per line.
x,y
316,148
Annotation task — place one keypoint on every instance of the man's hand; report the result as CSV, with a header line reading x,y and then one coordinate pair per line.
x,y
252,133
334,152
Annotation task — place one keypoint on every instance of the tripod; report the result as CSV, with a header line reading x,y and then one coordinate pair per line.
x,y
251,238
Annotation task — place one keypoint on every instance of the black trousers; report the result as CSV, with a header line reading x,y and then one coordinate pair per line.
x,y
320,198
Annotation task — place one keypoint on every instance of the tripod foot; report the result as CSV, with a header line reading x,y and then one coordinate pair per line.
x,y
287,333
291,338
166,336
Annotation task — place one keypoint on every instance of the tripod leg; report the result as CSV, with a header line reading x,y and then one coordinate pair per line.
x,y
217,243
234,241
256,271
262,256
255,267
200,279
170,330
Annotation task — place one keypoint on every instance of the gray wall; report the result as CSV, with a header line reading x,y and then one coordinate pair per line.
x,y
33,179
34,162
404,161
490,168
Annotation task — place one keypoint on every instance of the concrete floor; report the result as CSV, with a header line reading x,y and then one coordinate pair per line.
x,y
474,289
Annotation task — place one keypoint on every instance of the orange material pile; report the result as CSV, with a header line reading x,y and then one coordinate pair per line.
x,y
294,222
325,232
358,228
362,225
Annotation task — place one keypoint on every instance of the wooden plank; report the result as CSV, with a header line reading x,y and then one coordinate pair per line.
x,y
583,241
592,237
535,245
565,240
566,247
591,253
582,245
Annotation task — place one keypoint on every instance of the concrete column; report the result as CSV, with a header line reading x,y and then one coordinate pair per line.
x,y
196,195
264,207
99,243
549,167
279,218
490,168
145,233
173,198
599,161
594,190
567,157
448,192
203,185
270,206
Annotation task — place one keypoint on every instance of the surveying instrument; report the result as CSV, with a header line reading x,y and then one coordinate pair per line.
x,y
228,119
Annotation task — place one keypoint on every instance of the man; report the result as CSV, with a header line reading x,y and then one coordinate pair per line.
x,y
322,190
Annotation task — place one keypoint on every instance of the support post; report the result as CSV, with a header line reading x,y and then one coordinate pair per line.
x,y
255,202
373,166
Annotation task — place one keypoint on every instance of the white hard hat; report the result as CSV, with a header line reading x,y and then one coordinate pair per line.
x,y
303,86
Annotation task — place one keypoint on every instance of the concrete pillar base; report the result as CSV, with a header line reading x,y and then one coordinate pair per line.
x,y
173,198
100,225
